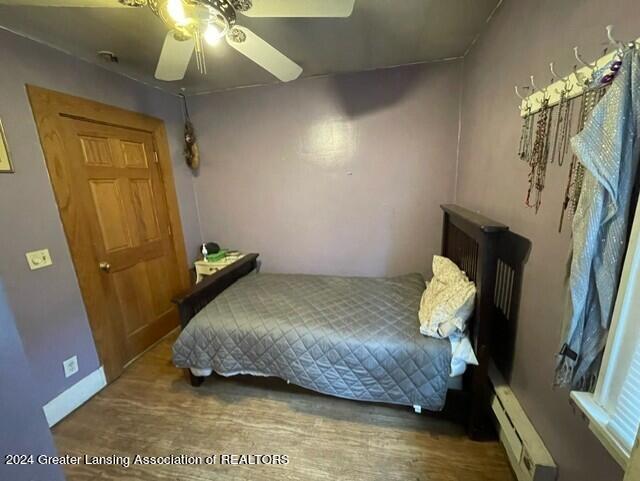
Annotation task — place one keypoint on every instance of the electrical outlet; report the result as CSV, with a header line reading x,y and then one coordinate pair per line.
x,y
39,259
70,366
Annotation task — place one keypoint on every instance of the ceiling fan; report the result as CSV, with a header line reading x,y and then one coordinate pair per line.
x,y
192,23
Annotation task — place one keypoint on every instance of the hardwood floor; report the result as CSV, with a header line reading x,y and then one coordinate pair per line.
x,y
152,410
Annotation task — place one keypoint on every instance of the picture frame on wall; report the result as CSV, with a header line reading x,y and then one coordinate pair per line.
x,y
5,158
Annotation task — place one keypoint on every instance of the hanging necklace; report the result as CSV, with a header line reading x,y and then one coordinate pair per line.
x,y
539,155
526,132
523,136
565,129
524,149
559,121
574,166
563,125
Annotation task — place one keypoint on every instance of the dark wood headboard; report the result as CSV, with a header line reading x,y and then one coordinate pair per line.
x,y
494,258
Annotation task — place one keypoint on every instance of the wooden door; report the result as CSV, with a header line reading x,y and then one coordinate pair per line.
x,y
116,209
118,182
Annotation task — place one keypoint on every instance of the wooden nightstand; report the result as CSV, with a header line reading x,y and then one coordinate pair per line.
x,y
204,268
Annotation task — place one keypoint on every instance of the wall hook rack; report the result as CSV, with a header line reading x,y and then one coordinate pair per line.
x,y
573,84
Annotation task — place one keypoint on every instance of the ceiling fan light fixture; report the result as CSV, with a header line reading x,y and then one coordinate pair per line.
x,y
133,3
213,34
193,17
175,9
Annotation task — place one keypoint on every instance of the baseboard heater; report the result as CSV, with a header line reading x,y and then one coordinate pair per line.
x,y
527,454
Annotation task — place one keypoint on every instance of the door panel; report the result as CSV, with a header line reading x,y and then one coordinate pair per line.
x,y
96,151
132,289
161,295
110,214
144,210
134,154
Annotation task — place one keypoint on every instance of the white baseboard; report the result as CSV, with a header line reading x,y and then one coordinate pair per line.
x,y
71,399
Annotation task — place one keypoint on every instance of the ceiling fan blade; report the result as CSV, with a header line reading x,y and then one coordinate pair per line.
x,y
268,57
174,58
300,8
64,3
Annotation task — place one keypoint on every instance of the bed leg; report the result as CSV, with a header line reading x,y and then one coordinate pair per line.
x,y
417,408
195,380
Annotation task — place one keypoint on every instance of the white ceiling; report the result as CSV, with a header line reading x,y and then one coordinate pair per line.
x,y
380,33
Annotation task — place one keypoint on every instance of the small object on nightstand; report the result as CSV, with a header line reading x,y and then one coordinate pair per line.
x,y
209,248
215,257
212,263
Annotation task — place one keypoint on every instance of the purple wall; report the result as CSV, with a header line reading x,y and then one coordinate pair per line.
x,y
521,40
23,427
47,303
337,175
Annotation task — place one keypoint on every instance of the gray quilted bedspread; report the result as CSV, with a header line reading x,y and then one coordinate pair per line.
x,y
356,338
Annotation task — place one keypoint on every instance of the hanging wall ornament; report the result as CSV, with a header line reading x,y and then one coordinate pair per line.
x,y
191,151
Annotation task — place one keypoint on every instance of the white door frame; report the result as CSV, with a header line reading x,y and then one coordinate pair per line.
x,y
633,468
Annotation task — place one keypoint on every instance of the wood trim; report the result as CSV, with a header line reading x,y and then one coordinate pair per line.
x,y
48,106
471,222
177,234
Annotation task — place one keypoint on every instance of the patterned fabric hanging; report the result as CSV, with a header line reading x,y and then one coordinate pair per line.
x,y
576,171
607,150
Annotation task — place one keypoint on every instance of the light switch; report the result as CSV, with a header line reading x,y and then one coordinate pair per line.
x,y
39,259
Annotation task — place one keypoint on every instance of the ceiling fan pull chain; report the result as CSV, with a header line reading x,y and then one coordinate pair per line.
x,y
200,59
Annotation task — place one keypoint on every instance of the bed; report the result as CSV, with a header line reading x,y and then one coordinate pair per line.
x,y
351,337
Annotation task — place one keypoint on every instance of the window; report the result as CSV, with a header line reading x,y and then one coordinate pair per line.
x,y
614,408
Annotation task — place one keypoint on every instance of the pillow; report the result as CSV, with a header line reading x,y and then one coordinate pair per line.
x,y
447,302
461,354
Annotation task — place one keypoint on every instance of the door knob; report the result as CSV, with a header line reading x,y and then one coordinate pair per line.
x,y
104,266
